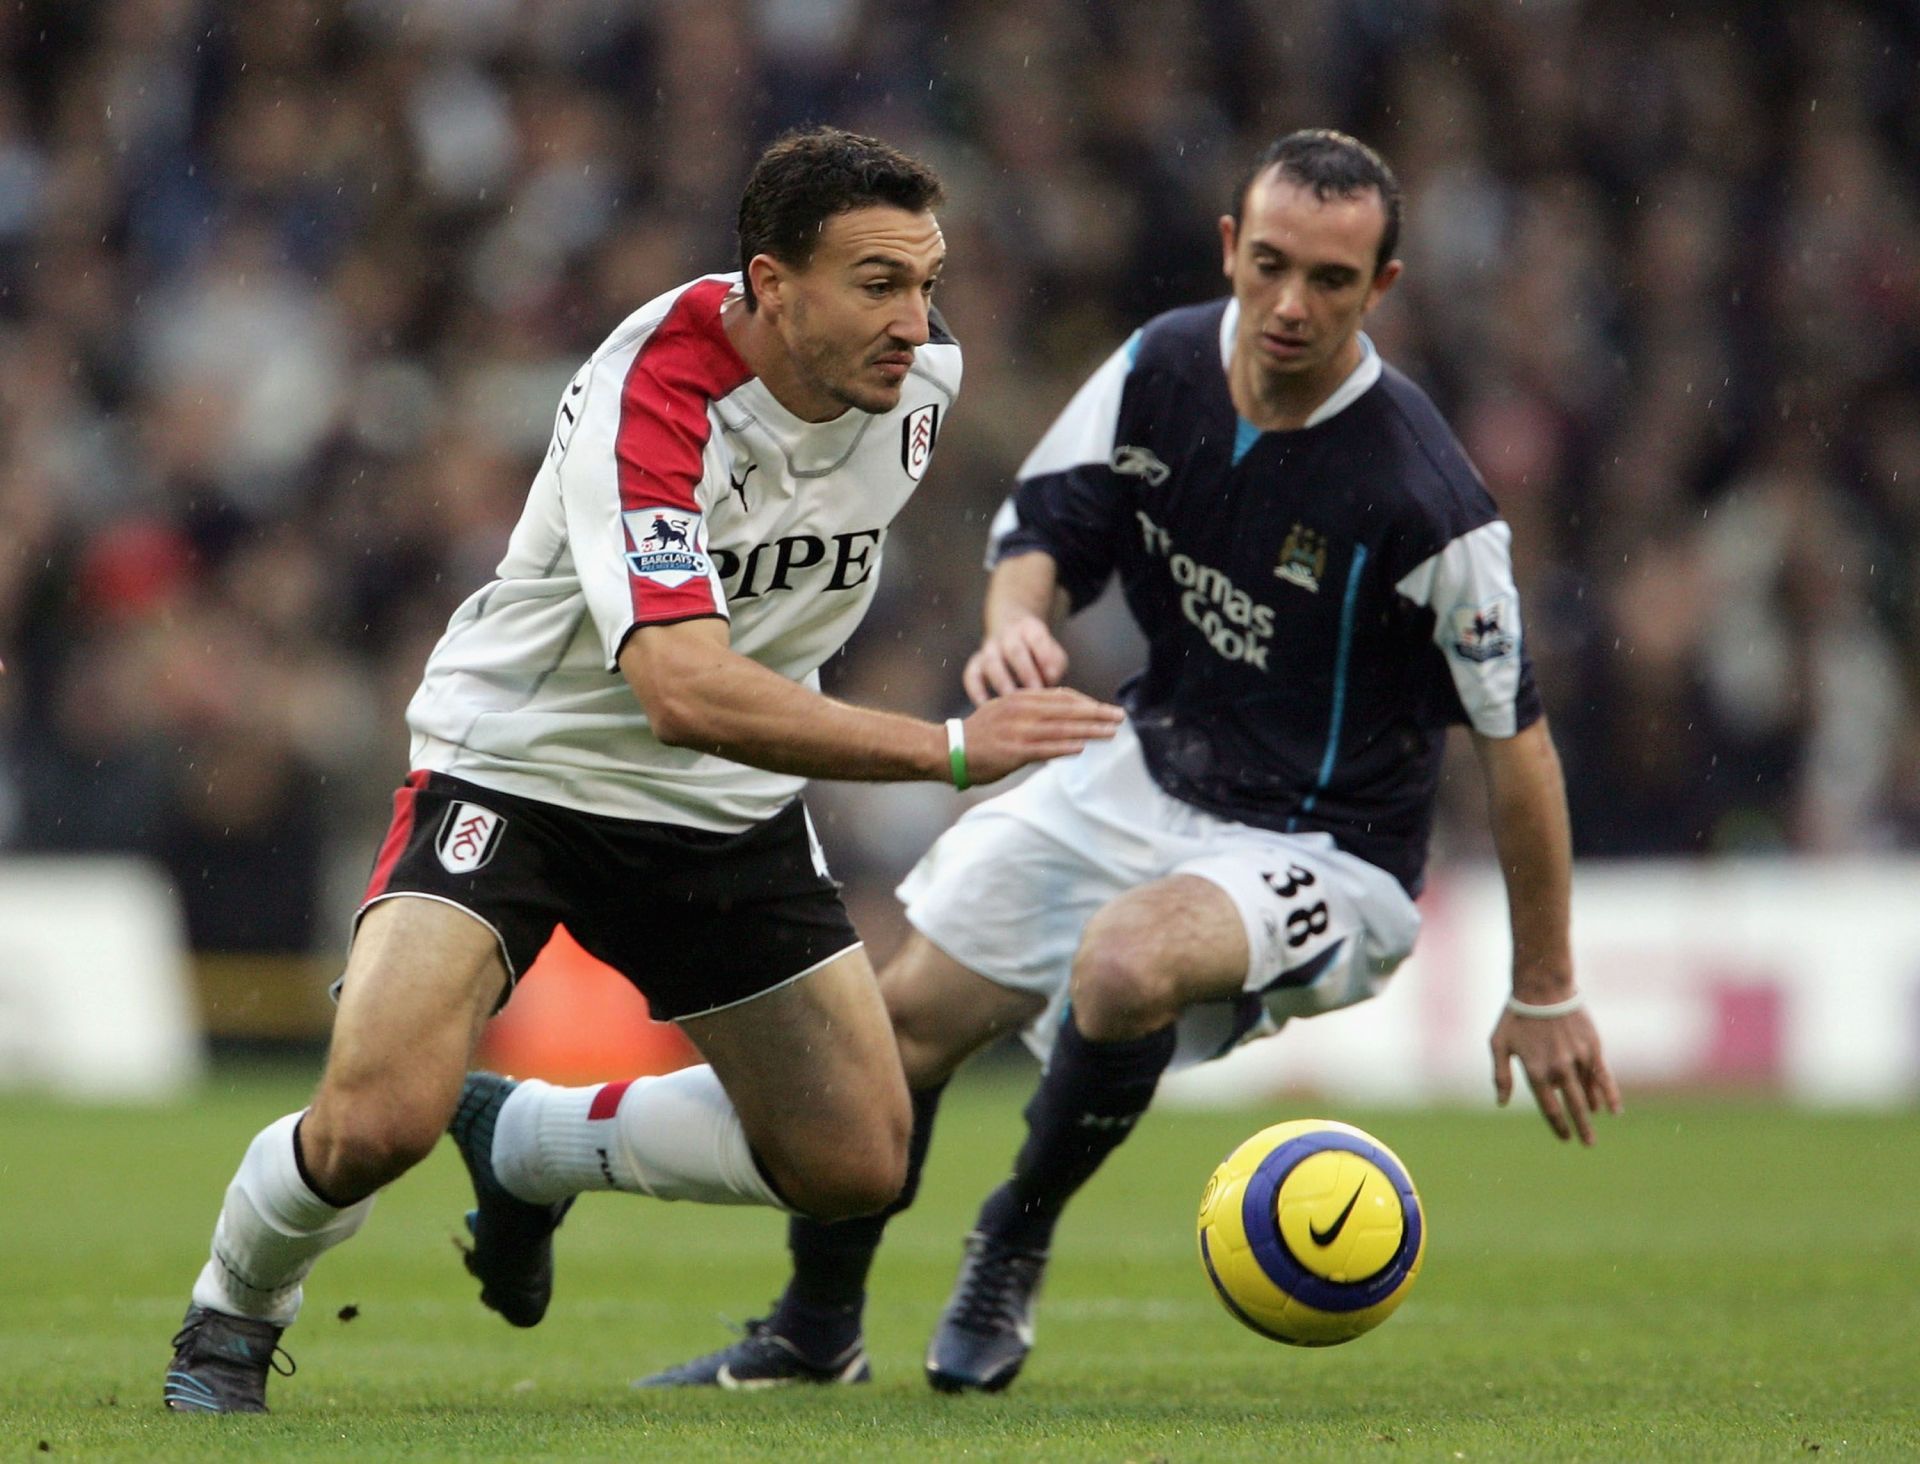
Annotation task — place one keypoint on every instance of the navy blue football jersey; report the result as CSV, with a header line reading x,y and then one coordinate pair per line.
x,y
1320,605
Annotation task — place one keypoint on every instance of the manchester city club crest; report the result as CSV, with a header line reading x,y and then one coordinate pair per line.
x,y
1303,559
669,545
917,433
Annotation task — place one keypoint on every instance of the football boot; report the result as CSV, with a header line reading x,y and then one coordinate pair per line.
x,y
986,1331
762,1358
220,1363
512,1250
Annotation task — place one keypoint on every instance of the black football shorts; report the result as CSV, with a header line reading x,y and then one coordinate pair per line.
x,y
696,920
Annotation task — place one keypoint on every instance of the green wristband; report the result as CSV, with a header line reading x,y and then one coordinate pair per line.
x,y
957,753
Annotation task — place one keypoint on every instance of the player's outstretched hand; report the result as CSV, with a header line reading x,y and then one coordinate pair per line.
x,y
1023,653
1564,1066
1025,726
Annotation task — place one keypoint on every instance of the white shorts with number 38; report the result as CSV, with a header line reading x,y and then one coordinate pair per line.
x,y
1007,890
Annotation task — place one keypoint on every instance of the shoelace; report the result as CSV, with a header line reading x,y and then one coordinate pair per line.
x,y
752,1330
997,1290
274,1358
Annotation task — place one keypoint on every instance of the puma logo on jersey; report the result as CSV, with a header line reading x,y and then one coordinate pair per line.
x,y
565,420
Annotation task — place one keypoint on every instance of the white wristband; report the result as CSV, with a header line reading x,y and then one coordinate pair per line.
x,y
957,753
1547,1008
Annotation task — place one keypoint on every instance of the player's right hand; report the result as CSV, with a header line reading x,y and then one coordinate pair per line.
x,y
1030,725
1023,653
1564,1067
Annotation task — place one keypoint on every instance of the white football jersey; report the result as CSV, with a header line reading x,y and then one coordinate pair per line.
x,y
675,487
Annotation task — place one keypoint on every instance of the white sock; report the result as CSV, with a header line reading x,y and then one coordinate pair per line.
x,y
270,1232
674,1137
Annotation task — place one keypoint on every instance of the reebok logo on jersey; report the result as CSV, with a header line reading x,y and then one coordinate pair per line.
x,y
1139,462
468,836
1482,633
917,432
669,545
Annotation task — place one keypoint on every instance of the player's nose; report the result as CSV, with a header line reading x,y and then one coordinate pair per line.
x,y
1290,299
910,325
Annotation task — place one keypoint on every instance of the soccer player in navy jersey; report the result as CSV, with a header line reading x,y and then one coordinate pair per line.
x,y
615,733
1325,588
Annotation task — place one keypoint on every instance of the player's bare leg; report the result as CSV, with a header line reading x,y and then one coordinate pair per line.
x,y
1152,953
941,1014
829,1119
800,1106
1143,959
420,981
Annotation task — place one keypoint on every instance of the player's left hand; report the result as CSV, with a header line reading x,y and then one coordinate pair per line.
x,y
1023,654
1564,1066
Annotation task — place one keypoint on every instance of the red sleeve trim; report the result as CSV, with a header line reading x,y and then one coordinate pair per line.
x,y
683,367
627,634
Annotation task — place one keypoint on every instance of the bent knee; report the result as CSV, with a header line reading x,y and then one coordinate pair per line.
x,y
928,1051
354,1145
1121,986
848,1182
942,1014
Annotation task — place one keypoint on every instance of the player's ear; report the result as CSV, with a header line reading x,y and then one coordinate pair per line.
x,y
1382,282
1228,235
768,278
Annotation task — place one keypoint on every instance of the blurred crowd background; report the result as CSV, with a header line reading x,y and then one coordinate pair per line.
x,y
288,291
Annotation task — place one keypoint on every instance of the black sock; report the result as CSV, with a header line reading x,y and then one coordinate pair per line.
x,y
1086,1105
820,1310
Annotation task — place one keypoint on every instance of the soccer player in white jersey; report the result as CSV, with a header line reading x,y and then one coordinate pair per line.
x,y
1325,588
615,733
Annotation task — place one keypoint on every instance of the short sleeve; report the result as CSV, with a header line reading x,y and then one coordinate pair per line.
x,y
1069,500
1468,585
633,477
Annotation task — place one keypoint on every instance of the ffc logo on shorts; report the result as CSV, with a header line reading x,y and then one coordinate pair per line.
x,y
468,836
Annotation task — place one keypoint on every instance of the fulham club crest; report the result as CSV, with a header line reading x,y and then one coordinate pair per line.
x,y
468,836
917,432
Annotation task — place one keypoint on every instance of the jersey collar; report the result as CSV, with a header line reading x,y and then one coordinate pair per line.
x,y
1357,384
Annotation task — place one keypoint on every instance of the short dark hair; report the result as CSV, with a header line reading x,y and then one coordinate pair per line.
x,y
1333,165
808,176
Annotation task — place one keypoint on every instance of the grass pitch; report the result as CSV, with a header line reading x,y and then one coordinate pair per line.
x,y
1711,1282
